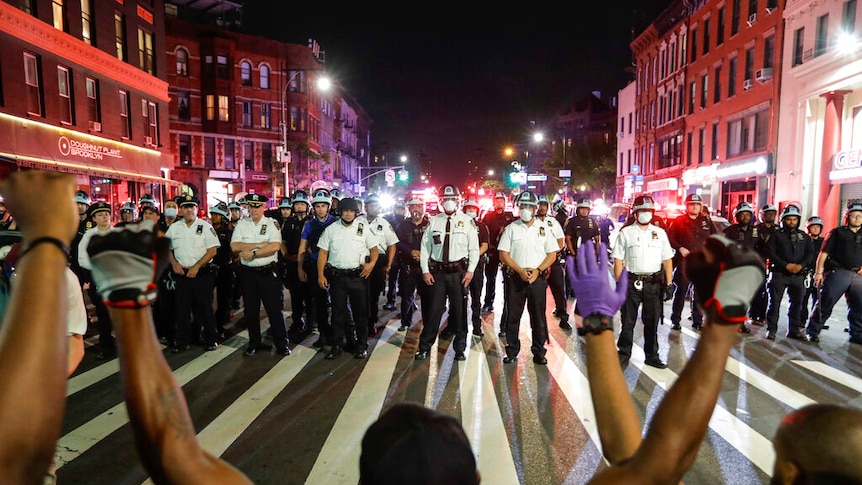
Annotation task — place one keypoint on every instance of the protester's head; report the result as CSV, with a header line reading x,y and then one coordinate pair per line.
x,y
412,444
819,444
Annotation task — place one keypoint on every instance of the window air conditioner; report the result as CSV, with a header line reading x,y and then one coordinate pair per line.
x,y
764,74
95,126
747,84
148,140
752,19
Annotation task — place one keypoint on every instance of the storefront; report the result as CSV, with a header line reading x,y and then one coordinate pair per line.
x,y
847,173
664,191
700,181
747,180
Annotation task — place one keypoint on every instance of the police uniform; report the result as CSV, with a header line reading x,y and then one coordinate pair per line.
x,y
580,228
496,222
787,246
348,247
689,233
841,277
86,223
478,281
557,275
127,208
311,233
450,248
394,272
382,232
757,310
261,283
528,244
107,346
811,293
224,272
190,244
300,292
410,280
643,252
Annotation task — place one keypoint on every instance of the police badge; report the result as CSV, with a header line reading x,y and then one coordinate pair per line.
x,y
200,229
263,230
541,231
360,229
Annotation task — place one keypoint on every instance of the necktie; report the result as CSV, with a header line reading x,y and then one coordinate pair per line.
x,y
446,240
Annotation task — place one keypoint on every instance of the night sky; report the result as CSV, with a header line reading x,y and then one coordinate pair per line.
x,y
457,82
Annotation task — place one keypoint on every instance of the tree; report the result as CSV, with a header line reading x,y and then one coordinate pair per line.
x,y
593,165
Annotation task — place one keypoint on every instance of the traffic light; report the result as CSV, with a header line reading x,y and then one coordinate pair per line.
x,y
403,175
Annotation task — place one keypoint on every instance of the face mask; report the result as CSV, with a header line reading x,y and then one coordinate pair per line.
x,y
526,214
472,214
245,212
449,206
170,212
644,217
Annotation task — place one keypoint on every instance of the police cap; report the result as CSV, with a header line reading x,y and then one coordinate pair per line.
x,y
184,200
256,200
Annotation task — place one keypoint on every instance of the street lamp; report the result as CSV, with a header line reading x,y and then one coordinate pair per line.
x,y
323,84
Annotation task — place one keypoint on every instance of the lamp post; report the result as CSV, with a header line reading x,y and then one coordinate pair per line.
x,y
323,84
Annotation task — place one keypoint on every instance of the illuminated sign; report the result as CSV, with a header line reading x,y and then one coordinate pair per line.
x,y
663,184
87,150
699,175
847,159
745,168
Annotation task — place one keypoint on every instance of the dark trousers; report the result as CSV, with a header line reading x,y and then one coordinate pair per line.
x,y
352,290
556,281
194,296
223,289
475,288
300,296
263,286
838,283
446,286
319,309
165,307
757,310
810,297
410,283
491,269
376,285
106,337
236,292
394,274
650,298
682,287
794,286
518,294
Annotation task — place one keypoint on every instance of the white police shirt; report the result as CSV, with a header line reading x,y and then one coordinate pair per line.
x,y
347,247
189,243
527,245
554,226
463,241
265,231
642,250
382,231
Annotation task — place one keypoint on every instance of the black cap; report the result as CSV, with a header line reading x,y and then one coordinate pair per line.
x,y
255,200
99,207
349,204
184,200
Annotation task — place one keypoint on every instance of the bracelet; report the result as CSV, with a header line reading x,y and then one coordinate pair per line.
x,y
49,240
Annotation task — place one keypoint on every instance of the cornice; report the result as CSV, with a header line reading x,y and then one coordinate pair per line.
x,y
39,34
795,9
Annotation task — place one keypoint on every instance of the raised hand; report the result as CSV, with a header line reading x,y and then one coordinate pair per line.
x,y
592,283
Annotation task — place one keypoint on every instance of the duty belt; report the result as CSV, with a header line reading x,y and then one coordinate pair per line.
x,y
333,271
452,267
268,267
646,277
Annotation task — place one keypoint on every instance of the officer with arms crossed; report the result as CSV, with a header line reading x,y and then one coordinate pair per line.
x,y
348,253
448,257
644,252
257,240
528,248
686,233
410,281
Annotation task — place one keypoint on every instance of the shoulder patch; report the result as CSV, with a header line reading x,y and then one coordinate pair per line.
x,y
213,231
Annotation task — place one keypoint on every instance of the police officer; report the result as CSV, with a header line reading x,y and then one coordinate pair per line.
x,y
645,252
687,232
448,257
194,244
561,213
219,218
581,227
395,218
285,210
410,281
82,201
307,262
336,196
257,241
556,278
146,200
383,233
100,214
528,248
235,212
789,251
243,207
838,273
347,256
471,208
496,220
814,227
765,228
127,214
300,293
743,232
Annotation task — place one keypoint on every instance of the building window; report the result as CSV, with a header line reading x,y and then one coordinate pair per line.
x,y
87,32
185,150
151,122
120,36
222,68
209,106
692,95
245,73
769,51
630,123
683,45
693,45
125,121
64,86
719,34
752,8
704,89
184,111
264,76
229,153
680,101
629,160
749,63
145,52
209,152
182,62
706,25
716,92
734,17
94,108
689,138
246,113
821,38
701,139
714,151
28,6
266,116
223,108
33,79
731,77
266,157
748,134
248,155
848,17
59,11
798,45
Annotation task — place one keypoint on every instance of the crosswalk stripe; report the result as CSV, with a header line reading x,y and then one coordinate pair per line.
x,y
94,375
831,373
338,459
77,442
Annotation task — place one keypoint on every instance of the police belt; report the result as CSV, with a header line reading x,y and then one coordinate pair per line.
x,y
453,267
209,267
262,269
657,277
512,273
333,271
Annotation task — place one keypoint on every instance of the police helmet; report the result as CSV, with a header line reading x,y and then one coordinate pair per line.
x,y
693,199
449,192
855,206
643,202
372,199
768,208
585,203
814,221
234,205
559,205
336,194
82,197
416,201
790,210
743,207
400,205
544,200
321,196
147,199
500,195
285,203
471,202
300,196
221,209
348,204
528,198
128,206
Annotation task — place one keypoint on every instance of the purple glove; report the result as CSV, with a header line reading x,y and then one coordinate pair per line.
x,y
592,282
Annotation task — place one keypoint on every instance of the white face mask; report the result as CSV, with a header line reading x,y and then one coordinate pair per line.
x,y
449,206
644,217
472,214
245,212
170,212
526,214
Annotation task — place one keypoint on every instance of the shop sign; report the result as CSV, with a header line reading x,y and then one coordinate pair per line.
x,y
259,176
663,184
224,174
700,175
747,168
846,164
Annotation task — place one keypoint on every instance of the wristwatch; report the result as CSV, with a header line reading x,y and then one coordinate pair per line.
x,y
597,323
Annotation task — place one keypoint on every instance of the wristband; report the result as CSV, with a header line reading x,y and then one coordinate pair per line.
x,y
46,240
596,323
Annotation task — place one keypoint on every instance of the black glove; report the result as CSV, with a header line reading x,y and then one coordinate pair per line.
x,y
126,264
668,291
725,275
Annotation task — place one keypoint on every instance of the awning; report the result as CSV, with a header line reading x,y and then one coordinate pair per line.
x,y
73,168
